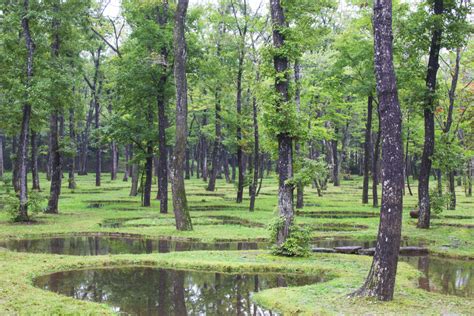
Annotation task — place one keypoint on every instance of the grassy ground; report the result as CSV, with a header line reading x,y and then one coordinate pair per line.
x,y
85,209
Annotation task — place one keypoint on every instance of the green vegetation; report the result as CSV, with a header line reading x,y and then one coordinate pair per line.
x,y
344,273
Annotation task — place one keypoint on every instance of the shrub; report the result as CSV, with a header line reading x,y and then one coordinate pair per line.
x,y
297,243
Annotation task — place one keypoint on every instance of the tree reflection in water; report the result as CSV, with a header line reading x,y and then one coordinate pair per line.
x,y
151,291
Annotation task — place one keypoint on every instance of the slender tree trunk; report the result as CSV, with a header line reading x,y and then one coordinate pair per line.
x,y
217,144
380,282
22,154
72,159
135,178
34,162
2,166
424,213
285,141
85,141
375,165
56,164
180,204
163,155
240,160
114,161
127,165
98,153
55,130
256,152
452,191
148,175
299,184
336,162
367,151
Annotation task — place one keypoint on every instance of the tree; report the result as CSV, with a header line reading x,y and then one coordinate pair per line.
x,y
22,158
180,204
285,140
428,113
380,282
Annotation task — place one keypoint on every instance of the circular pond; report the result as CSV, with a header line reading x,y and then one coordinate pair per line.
x,y
152,291
93,245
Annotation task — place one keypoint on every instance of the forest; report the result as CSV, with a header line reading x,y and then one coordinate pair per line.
x,y
236,157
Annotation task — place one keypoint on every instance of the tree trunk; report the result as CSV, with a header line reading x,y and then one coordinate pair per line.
x,y
240,160
180,204
452,191
34,162
2,167
22,154
299,185
217,144
375,165
285,142
367,151
98,153
424,213
56,164
148,175
336,164
163,154
114,161
72,159
127,165
135,174
380,282
256,153
85,141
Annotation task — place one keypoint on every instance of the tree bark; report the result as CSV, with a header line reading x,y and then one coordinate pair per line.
x,y
72,159
367,151
424,213
55,133
375,165
285,141
22,153
148,175
2,166
217,144
380,282
34,162
256,153
127,165
180,204
336,164
135,178
299,185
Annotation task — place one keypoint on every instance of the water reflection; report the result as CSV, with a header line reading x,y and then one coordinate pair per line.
x,y
151,291
102,245
445,276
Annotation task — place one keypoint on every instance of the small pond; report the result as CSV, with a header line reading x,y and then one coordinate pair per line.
x,y
94,245
153,291
454,277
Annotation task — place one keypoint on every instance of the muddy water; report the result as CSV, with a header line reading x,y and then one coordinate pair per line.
x,y
152,291
103,245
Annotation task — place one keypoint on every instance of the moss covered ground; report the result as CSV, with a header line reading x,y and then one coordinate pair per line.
x,y
216,217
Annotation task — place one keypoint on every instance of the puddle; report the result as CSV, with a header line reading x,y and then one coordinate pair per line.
x,y
442,275
454,277
103,245
153,291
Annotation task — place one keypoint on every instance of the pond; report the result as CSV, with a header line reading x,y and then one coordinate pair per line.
x,y
93,245
153,291
446,276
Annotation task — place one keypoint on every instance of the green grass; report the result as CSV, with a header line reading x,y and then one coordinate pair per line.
x,y
345,273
